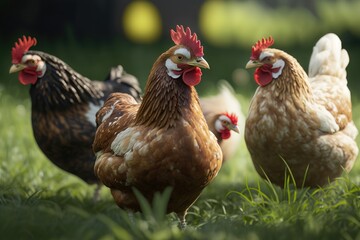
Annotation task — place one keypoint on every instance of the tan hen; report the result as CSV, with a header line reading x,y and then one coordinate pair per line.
x,y
303,121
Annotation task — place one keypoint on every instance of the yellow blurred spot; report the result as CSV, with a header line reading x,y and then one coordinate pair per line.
x,y
142,22
214,22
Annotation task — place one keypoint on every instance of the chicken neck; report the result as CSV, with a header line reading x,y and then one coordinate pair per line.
x,y
292,84
61,86
165,99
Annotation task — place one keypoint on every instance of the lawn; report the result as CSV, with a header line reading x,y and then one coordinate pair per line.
x,y
39,201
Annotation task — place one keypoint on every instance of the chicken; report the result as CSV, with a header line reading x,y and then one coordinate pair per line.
x,y
164,141
64,104
222,113
297,122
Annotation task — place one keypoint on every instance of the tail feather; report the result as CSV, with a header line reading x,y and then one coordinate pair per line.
x,y
328,58
121,81
232,104
118,74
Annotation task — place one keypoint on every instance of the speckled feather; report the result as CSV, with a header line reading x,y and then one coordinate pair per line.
x,y
61,100
305,122
164,141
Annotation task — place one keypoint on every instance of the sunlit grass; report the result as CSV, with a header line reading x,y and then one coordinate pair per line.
x,y
39,201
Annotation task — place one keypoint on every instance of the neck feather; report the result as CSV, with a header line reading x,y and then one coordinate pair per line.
x,y
166,99
293,82
61,86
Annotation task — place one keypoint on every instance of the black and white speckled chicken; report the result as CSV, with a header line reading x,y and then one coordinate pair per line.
x,y
64,104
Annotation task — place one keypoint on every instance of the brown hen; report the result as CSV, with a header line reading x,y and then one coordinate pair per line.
x,y
301,123
163,141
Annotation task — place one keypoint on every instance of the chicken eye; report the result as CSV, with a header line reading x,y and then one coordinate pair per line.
x,y
30,61
180,57
268,59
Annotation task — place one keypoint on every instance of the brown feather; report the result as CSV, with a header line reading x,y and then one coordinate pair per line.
x,y
163,141
305,123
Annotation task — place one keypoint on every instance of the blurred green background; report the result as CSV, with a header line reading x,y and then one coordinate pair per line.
x,y
36,199
93,35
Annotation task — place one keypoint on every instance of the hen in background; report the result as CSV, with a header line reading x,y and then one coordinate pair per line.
x,y
301,122
164,141
223,114
64,104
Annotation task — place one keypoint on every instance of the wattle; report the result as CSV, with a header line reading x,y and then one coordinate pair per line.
x,y
28,77
192,76
263,75
225,134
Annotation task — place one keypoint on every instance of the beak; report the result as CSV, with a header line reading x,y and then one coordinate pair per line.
x,y
16,68
199,62
234,127
253,64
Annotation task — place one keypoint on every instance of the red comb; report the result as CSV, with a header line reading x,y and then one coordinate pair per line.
x,y
233,117
259,46
21,47
180,37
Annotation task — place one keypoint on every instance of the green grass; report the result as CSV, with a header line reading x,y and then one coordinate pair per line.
x,y
39,201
